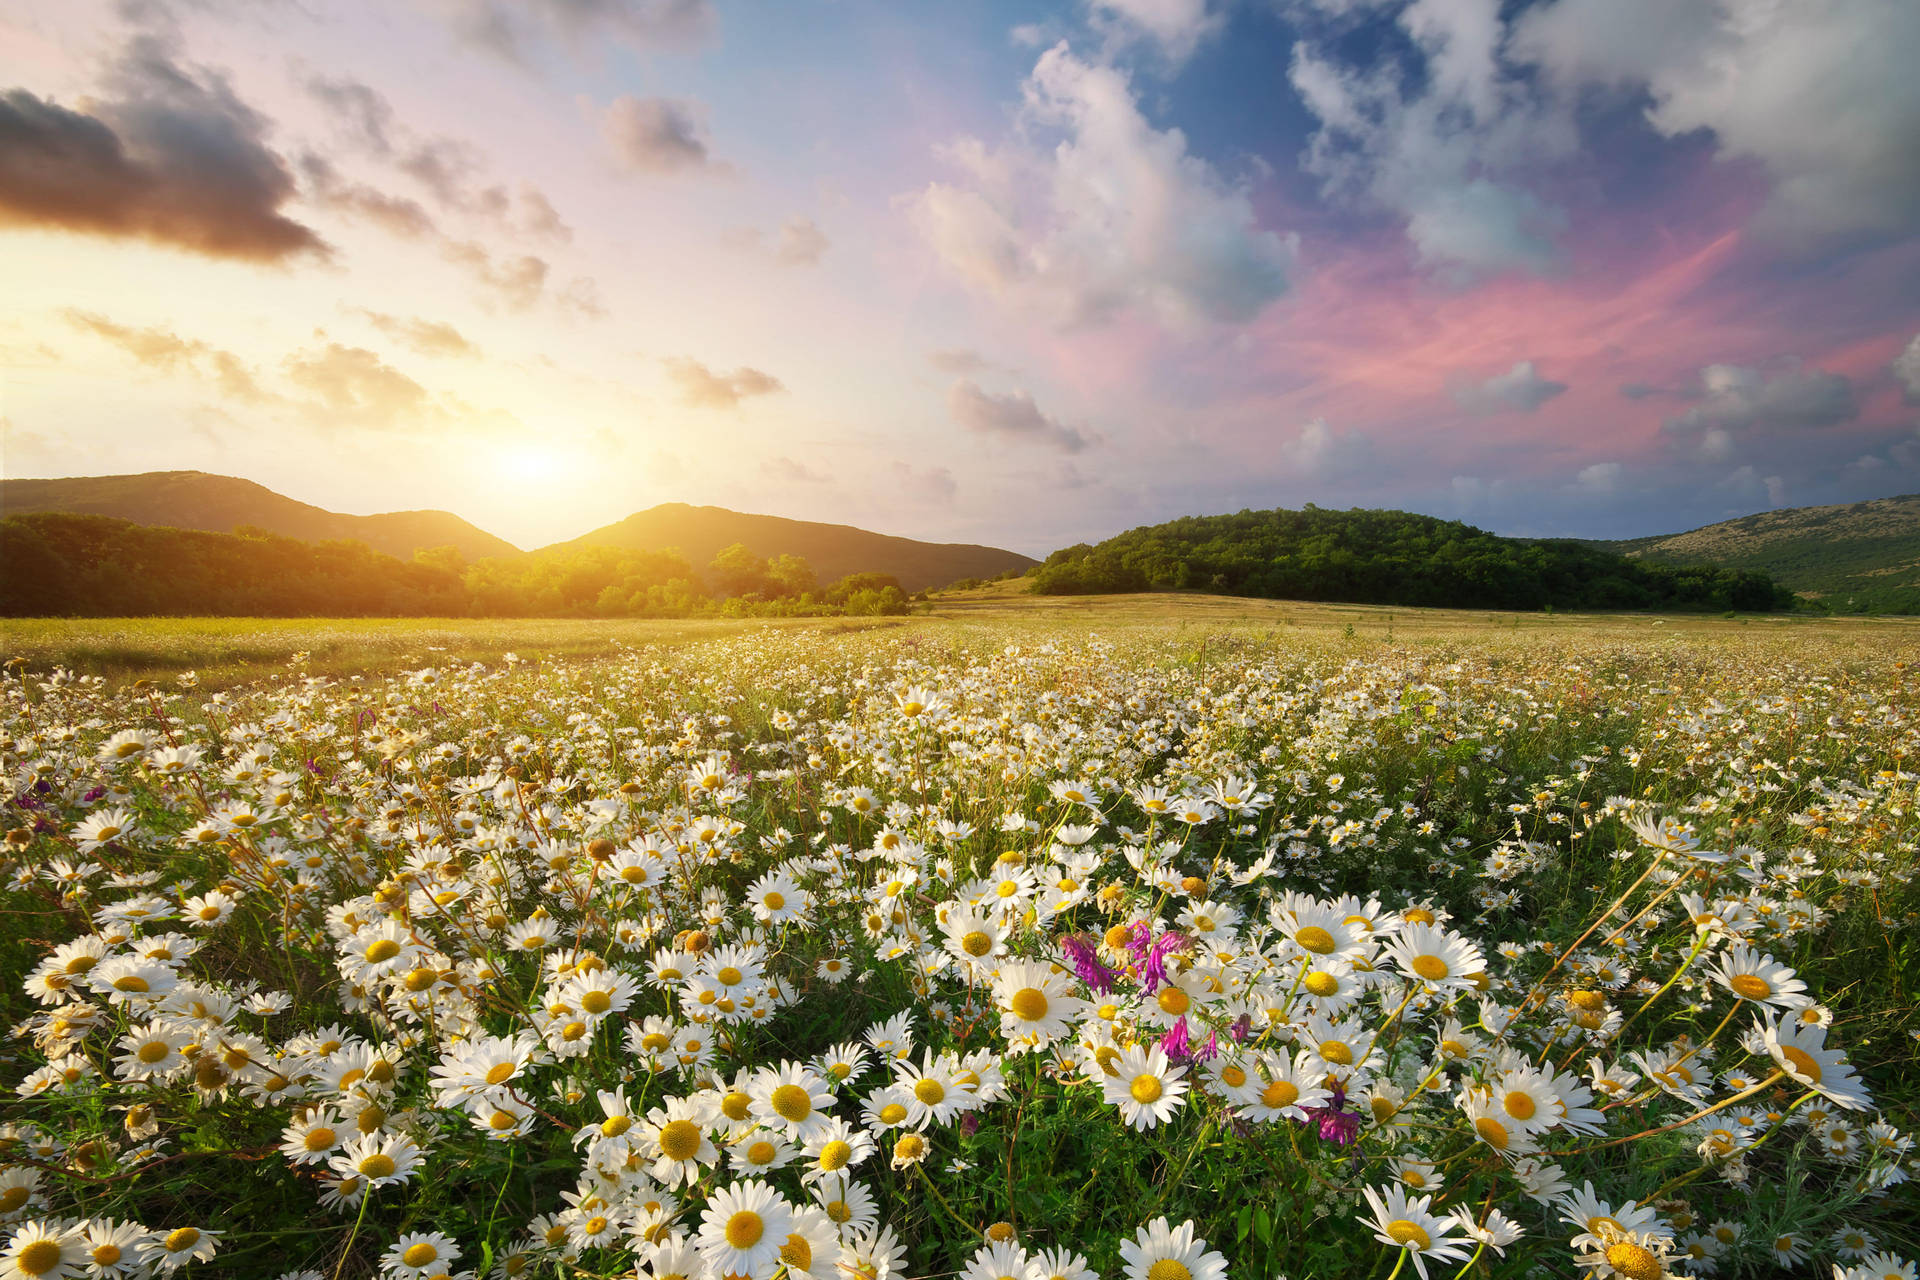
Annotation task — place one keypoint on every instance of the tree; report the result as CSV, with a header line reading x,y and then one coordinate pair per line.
x,y
790,575
738,572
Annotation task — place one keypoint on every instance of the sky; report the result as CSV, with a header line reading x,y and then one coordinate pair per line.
x,y
1020,274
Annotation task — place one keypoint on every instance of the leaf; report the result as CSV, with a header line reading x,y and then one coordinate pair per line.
x,y
1263,1225
1241,1223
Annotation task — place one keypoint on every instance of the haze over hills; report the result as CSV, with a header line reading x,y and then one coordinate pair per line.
x,y
1852,556
833,550
219,504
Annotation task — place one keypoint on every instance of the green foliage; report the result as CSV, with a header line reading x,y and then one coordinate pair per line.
x,y
1390,557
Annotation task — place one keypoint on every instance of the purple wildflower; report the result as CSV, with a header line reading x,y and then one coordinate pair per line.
x,y
1242,1028
1153,970
93,795
1086,964
1175,1043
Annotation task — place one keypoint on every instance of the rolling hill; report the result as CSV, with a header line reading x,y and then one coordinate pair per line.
x,y
833,550
1856,556
219,504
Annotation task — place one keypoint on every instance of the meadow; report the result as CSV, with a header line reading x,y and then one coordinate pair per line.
x,y
1157,937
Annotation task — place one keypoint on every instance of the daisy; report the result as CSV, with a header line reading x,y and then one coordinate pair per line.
x,y
1161,1251
1435,957
1145,1087
1037,1004
675,1138
1059,1264
1759,978
421,1253
379,1159
172,1250
38,1252
1406,1224
112,1247
812,1246
762,1151
870,1254
743,1228
1801,1052
847,1203
1629,1256
834,1149
793,1098
312,1139
996,1260
1282,1089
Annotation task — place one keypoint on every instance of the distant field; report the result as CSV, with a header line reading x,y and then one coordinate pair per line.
x,y
227,651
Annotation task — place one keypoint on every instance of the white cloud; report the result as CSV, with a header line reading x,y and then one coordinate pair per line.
x,y
1520,389
1117,216
1737,399
1319,451
1013,416
1444,150
1823,95
1601,479
1906,367
656,135
1174,27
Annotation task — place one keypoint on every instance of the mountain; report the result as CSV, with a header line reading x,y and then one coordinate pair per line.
x,y
218,504
833,550
1391,557
1853,557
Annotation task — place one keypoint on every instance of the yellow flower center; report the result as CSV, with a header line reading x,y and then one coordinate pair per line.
x,y
1336,1051
377,1165
761,1152
1315,939
1279,1093
791,1103
1492,1132
181,1239
132,982
1406,1232
797,1253
976,943
105,1255
910,1147
501,1121
839,1212
39,1258
1519,1105
892,1113
744,1229
1169,1269
596,1001
420,1255
727,976
774,900
1636,1262
1321,983
1172,1000
835,1155
154,1051
1233,1075
1751,986
1029,1003
679,1139
381,949
1145,1089
1802,1062
500,1073
1432,968
929,1091
321,1139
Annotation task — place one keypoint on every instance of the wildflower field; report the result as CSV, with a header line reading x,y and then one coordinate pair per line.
x,y
1014,945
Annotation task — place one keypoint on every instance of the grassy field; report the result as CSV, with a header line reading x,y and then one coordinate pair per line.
x,y
1155,938
226,651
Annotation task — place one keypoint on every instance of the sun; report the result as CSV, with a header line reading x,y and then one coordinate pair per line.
x,y
529,463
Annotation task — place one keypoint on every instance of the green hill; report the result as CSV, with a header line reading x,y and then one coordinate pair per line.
x,y
1853,557
1391,557
833,550
220,504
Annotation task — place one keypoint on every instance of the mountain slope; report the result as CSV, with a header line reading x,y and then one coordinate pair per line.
x,y
218,504
833,550
1853,556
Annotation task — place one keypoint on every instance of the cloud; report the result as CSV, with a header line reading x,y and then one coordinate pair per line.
x,y
519,279
1013,416
1736,400
958,360
656,135
1117,216
1318,451
352,386
165,350
800,242
1519,390
702,386
787,471
1601,479
330,190
1442,150
426,337
172,156
1906,367
513,28
447,168
933,486
1174,27
1823,96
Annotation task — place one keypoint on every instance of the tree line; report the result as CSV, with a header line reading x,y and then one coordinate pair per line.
x,y
1392,557
65,565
